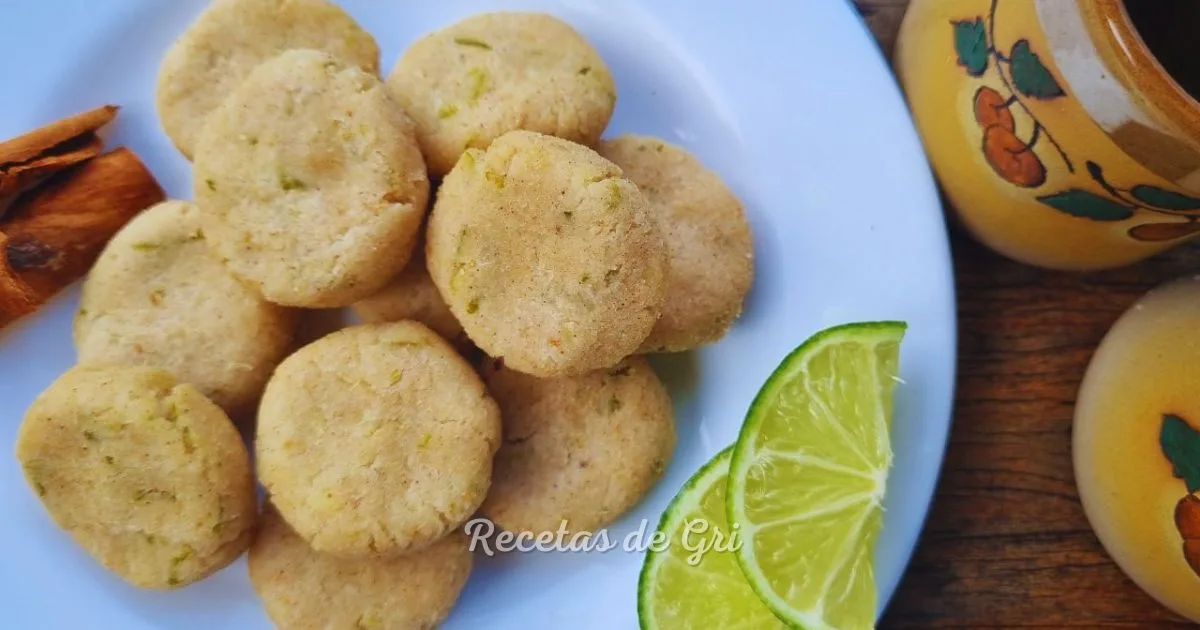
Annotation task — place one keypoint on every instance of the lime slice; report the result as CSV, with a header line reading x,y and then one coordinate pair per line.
x,y
808,475
683,587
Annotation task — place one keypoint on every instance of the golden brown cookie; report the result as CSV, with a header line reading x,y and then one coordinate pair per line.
x,y
157,297
147,475
705,227
230,38
489,74
546,255
583,449
303,589
377,439
310,182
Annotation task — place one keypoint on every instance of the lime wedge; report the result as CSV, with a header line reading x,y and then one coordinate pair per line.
x,y
808,475
685,588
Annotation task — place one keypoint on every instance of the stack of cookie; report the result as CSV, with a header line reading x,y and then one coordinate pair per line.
x,y
500,371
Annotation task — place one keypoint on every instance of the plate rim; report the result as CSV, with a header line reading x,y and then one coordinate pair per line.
x,y
928,185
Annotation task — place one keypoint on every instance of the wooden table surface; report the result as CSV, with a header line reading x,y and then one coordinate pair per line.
x,y
1007,544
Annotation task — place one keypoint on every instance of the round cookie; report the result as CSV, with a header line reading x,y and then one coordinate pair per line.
x,y
583,449
412,295
376,439
157,297
470,83
546,255
301,588
230,38
705,227
146,474
310,182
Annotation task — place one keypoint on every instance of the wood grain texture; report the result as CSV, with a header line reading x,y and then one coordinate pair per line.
x,y
1007,544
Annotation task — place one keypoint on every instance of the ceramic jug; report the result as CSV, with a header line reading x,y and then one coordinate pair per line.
x,y
1057,137
1136,444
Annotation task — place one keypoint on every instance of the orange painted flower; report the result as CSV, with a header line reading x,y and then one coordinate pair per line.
x,y
1187,520
1158,232
991,109
1012,158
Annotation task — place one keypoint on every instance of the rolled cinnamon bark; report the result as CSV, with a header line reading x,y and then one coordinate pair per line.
x,y
16,298
54,233
30,158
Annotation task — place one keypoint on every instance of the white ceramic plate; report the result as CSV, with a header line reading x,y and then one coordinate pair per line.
x,y
790,101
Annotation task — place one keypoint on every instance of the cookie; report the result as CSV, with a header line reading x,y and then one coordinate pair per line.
x,y
157,297
547,256
145,473
578,451
310,182
301,588
472,82
710,243
376,440
413,296
230,38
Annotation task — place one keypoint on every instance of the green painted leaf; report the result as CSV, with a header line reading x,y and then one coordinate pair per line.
x,y
970,41
1030,75
1087,205
1181,445
1165,199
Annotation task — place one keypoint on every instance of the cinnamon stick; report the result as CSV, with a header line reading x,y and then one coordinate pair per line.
x,y
16,298
54,233
34,156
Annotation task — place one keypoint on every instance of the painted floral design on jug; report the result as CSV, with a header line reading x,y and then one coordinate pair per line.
x,y
1013,154
1181,446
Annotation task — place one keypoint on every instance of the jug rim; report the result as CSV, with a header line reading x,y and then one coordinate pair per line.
x,y
1126,52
